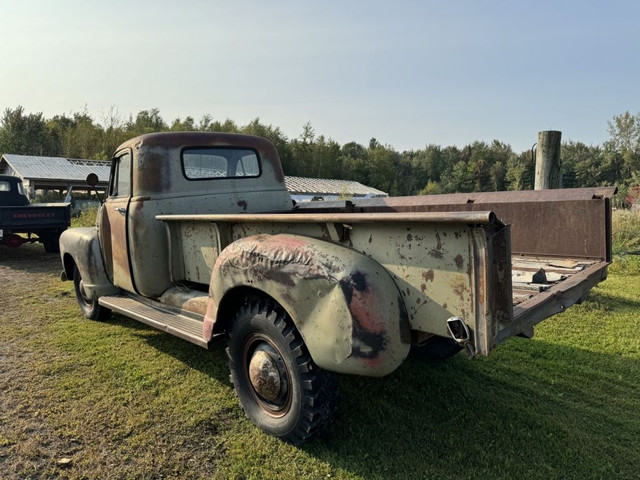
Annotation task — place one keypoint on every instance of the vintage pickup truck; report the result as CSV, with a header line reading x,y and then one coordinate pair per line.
x,y
198,237
17,215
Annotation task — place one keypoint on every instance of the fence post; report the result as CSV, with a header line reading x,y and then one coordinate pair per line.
x,y
548,163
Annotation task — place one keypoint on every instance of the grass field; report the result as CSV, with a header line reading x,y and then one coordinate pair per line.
x,y
83,399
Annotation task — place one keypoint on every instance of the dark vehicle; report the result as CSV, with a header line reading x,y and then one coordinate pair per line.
x,y
45,220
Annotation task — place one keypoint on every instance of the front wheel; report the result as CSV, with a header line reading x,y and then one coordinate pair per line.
x,y
279,386
89,306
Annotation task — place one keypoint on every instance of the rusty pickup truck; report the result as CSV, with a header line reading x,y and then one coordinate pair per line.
x,y
199,237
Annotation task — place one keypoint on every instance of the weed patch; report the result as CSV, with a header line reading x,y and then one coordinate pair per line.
x,y
116,399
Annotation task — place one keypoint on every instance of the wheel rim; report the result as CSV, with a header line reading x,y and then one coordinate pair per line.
x,y
267,375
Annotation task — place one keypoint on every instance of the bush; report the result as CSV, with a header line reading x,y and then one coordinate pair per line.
x,y
626,232
87,218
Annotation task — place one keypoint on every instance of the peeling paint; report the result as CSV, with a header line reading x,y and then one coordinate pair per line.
x,y
311,277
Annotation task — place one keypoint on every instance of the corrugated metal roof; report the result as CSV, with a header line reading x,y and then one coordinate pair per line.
x,y
55,168
323,186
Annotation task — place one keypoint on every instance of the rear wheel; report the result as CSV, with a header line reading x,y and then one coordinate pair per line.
x,y
89,306
51,243
279,386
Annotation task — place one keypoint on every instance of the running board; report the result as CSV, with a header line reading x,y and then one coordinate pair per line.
x,y
177,324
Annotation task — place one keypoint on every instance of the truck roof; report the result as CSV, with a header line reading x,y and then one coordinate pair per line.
x,y
179,140
10,178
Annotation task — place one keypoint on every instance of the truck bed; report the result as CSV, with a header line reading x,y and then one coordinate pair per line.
x,y
563,235
532,275
503,262
31,218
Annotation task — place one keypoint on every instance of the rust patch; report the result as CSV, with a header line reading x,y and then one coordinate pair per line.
x,y
325,232
209,319
242,204
152,171
279,258
436,254
368,327
459,288
429,275
459,261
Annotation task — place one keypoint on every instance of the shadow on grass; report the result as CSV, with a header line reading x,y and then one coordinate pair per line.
x,y
538,410
532,410
211,362
30,258
599,300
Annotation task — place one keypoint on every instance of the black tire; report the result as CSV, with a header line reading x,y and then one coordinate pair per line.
x,y
51,243
89,306
298,400
437,349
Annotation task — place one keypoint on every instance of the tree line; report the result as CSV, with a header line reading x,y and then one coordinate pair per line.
x,y
478,166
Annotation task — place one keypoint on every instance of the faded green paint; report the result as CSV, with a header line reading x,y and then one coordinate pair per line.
x,y
345,305
434,266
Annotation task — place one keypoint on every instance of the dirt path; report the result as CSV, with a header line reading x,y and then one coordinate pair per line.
x,y
29,448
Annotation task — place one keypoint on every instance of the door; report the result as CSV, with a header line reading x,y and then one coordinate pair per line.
x,y
113,223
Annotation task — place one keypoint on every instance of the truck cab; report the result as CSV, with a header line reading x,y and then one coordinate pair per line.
x,y
158,174
12,192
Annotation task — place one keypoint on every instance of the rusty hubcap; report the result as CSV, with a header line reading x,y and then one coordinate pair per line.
x,y
268,376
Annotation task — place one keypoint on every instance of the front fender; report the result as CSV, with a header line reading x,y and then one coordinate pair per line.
x,y
345,305
80,246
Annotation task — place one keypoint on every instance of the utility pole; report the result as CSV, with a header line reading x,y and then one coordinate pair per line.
x,y
548,163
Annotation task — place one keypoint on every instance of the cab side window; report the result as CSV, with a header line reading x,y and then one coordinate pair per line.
x,y
121,176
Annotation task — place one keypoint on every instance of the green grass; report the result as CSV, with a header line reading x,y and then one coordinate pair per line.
x,y
626,232
124,401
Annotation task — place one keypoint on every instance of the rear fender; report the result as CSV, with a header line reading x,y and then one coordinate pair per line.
x,y
80,246
345,305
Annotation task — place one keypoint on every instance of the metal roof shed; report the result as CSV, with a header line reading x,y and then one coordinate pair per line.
x,y
53,173
305,189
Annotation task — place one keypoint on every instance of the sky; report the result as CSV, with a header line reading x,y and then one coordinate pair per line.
x,y
409,73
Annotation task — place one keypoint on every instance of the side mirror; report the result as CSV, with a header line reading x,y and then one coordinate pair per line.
x,y
92,179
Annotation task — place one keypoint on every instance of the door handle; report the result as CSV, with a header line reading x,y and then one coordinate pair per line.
x,y
121,210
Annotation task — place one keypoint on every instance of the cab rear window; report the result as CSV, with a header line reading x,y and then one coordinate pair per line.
x,y
214,163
